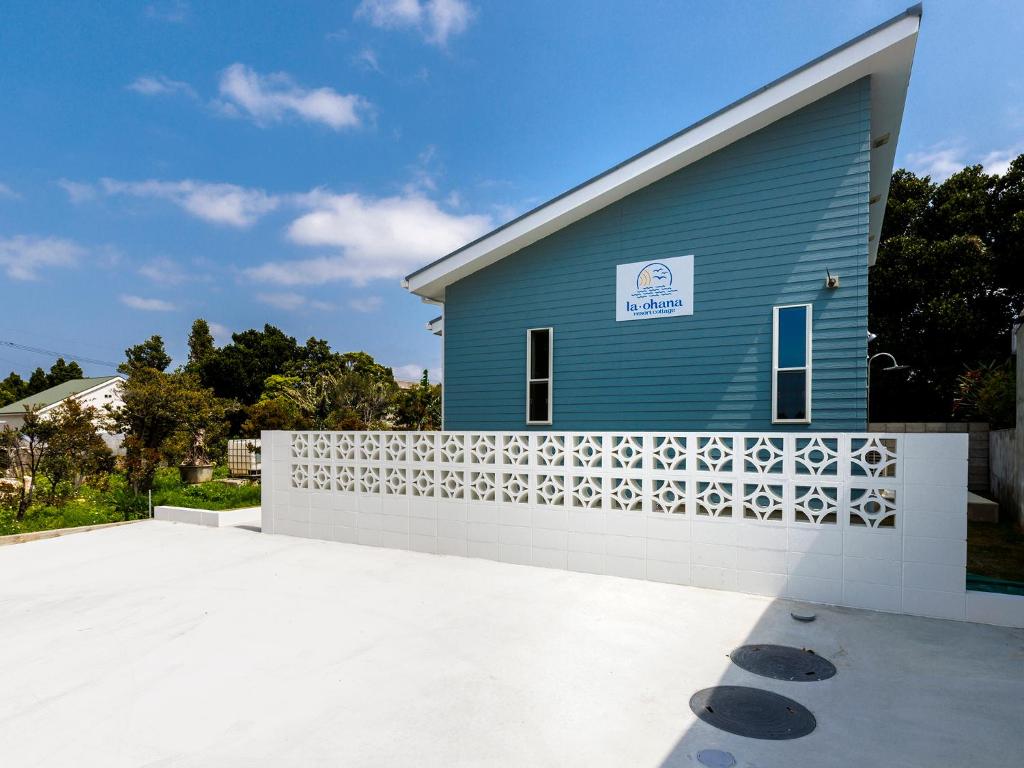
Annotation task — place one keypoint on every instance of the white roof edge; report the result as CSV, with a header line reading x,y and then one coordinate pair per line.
x,y
884,53
436,326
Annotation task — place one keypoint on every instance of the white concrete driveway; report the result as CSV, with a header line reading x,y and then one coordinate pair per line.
x,y
162,644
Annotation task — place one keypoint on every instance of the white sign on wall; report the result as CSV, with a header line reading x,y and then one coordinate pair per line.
x,y
661,288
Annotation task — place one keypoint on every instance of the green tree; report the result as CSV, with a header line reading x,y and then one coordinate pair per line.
x,y
12,388
419,407
149,354
278,385
359,393
238,370
76,450
200,344
946,286
26,448
159,419
274,413
62,371
37,382
314,358
369,390
15,388
1008,226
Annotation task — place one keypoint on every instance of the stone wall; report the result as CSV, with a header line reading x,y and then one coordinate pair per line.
x,y
978,444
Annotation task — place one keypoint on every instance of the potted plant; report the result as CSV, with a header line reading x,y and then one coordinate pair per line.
x,y
196,466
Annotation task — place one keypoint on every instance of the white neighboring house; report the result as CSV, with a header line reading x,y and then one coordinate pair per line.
x,y
97,392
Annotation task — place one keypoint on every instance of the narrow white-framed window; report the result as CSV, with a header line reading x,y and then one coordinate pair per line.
x,y
791,364
539,359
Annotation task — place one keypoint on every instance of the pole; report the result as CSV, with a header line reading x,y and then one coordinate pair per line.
x,y
150,502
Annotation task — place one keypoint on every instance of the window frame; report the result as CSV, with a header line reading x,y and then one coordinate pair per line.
x,y
550,377
806,368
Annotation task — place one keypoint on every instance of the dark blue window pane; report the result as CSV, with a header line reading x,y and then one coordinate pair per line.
x,y
538,401
791,395
793,337
540,342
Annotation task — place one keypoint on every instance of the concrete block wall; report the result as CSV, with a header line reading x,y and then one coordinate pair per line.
x,y
887,531
1007,449
934,554
977,450
1006,474
208,517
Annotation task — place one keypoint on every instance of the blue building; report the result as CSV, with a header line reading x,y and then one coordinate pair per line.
x,y
716,281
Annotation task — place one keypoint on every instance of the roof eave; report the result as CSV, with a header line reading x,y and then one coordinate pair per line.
x,y
884,53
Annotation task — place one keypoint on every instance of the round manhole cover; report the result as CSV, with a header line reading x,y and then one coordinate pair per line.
x,y
782,662
716,758
752,712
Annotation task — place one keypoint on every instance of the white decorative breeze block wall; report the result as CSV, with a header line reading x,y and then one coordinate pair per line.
x,y
867,520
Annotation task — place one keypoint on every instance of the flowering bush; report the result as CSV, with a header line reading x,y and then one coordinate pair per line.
x,y
988,393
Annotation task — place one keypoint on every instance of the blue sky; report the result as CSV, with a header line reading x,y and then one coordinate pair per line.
x,y
289,162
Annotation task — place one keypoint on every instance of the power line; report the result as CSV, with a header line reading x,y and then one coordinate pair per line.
x,y
51,353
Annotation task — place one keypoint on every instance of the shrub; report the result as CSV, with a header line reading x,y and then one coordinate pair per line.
x,y
988,393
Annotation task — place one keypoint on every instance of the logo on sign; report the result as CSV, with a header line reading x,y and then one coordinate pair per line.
x,y
652,290
654,280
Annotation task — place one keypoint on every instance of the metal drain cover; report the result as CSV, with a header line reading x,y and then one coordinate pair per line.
x,y
752,712
716,758
782,662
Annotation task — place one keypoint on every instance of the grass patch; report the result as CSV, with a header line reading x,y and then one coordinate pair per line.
x,y
169,491
113,501
996,550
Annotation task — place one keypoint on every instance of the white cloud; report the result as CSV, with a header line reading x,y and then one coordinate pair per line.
x,y
939,163
270,98
447,18
391,13
221,333
367,59
290,301
998,162
78,192
943,160
286,301
219,203
367,304
146,305
171,11
414,372
7,193
377,237
164,271
22,256
436,20
410,372
160,85
425,172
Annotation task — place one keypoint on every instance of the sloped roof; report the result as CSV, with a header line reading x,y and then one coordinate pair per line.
x,y
884,53
54,395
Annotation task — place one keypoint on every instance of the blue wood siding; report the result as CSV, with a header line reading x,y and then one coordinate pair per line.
x,y
763,217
